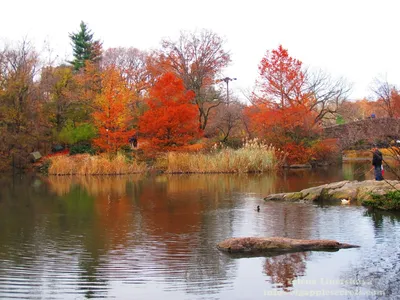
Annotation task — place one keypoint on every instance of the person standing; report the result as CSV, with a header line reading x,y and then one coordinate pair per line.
x,y
377,159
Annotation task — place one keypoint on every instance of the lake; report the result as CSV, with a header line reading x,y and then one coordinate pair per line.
x,y
152,237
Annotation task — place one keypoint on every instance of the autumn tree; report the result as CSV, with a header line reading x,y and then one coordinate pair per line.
x,y
84,47
281,79
132,64
18,69
350,111
57,84
395,94
284,82
386,96
89,87
112,116
68,99
170,123
19,103
68,122
282,109
358,110
198,59
289,106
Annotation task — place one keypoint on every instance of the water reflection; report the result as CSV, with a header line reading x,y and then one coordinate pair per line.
x,y
362,170
379,217
112,237
379,266
284,269
152,224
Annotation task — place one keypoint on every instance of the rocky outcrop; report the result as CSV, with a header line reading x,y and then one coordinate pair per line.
x,y
355,191
259,245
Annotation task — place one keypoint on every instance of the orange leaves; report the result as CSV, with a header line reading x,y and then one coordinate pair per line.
x,y
134,68
297,153
112,116
283,103
197,58
324,150
319,151
283,112
171,121
394,94
281,78
169,90
277,124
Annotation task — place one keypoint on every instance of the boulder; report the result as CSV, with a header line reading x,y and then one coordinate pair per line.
x,y
313,193
35,156
359,191
293,196
285,197
275,197
259,245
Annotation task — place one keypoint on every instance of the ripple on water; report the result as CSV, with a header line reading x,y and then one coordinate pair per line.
x,y
163,245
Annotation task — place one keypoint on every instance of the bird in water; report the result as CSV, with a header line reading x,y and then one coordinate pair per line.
x,y
345,201
258,207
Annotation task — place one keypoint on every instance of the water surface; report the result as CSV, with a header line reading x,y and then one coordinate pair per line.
x,y
154,237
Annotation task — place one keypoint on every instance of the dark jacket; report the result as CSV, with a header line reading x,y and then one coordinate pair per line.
x,y
377,158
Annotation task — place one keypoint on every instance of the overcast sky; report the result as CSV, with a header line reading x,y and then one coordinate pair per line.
x,y
356,39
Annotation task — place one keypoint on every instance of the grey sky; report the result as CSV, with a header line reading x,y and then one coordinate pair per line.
x,y
354,39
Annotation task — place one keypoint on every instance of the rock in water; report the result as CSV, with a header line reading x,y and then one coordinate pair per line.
x,y
252,245
359,191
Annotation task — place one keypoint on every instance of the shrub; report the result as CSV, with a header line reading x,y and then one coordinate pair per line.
x,y
340,120
324,150
297,153
81,148
71,134
44,167
388,201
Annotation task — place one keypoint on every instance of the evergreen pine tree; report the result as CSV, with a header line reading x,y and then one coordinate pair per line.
x,y
84,47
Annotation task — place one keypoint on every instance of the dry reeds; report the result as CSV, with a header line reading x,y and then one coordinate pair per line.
x,y
85,164
254,156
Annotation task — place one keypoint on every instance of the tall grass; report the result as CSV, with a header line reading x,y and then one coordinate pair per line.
x,y
254,156
85,164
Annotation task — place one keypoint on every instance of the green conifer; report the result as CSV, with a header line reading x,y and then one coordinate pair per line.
x,y
85,48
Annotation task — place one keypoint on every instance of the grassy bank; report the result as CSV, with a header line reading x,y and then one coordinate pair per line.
x,y
252,157
389,201
85,164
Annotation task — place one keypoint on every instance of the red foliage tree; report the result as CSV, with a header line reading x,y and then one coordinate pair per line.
x,y
283,109
281,78
171,121
396,102
112,116
282,113
198,59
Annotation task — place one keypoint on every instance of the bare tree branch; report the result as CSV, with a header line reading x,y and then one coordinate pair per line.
x,y
382,90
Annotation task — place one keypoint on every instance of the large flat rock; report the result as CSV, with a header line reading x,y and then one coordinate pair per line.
x,y
254,245
355,191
